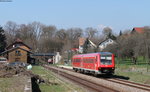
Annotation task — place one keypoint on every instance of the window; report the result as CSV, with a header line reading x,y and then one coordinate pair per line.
x,y
17,45
76,60
89,60
106,59
17,59
18,53
3,60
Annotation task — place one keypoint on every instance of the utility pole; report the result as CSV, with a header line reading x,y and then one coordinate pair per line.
x,y
147,53
148,57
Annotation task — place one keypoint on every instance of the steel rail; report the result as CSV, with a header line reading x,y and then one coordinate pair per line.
x,y
95,87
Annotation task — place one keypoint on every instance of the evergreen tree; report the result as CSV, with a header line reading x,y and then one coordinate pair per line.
x,y
2,40
111,36
85,46
120,33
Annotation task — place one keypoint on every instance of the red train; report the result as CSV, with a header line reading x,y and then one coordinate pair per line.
x,y
96,63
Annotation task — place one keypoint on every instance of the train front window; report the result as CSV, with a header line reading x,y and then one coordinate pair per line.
x,y
106,60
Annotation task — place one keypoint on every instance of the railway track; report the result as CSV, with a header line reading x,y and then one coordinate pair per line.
x,y
131,84
124,82
92,86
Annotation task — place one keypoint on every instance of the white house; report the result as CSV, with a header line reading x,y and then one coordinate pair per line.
x,y
57,57
85,41
105,43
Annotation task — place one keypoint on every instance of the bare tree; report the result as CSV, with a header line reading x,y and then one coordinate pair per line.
x,y
48,31
30,34
11,29
90,32
72,35
107,31
61,34
47,41
143,44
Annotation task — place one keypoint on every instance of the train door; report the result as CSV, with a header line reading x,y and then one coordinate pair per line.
x,y
97,62
81,62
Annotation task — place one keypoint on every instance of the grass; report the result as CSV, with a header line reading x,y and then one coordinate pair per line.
x,y
135,76
128,61
13,84
138,73
49,76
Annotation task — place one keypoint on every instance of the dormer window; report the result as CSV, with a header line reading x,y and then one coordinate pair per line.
x,y
17,45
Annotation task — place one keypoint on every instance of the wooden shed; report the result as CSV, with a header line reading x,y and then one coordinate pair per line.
x,y
17,52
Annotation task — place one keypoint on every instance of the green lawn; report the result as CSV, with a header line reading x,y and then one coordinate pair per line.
x,y
49,76
135,76
138,73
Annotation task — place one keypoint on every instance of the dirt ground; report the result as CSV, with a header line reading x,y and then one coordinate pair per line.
x,y
7,71
14,78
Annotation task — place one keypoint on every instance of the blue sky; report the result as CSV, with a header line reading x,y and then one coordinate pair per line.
x,y
117,14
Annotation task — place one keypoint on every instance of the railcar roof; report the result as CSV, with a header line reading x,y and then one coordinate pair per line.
x,y
102,53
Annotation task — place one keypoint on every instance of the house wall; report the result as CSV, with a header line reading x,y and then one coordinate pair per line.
x,y
105,43
13,56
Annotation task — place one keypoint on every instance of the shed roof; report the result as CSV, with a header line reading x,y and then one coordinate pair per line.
x,y
18,41
14,49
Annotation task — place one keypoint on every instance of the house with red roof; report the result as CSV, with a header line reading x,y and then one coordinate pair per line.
x,y
138,29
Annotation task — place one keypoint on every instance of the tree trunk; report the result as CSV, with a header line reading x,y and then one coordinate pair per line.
x,y
134,59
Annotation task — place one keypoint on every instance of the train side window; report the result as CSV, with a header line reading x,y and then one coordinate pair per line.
x,y
92,60
78,60
75,60
87,60
96,59
84,60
